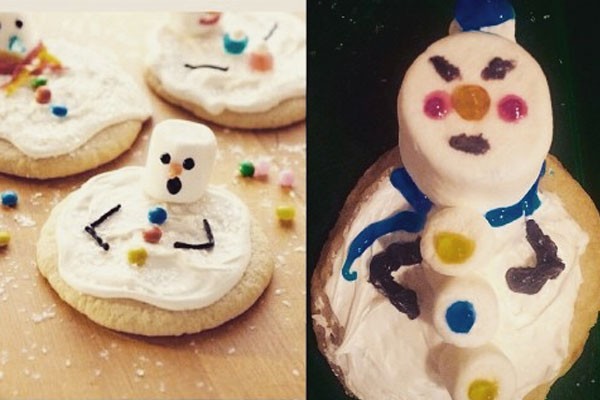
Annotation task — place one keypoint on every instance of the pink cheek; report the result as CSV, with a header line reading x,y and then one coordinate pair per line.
x,y
512,108
437,104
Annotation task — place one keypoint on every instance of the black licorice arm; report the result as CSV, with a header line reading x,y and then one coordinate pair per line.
x,y
202,246
91,228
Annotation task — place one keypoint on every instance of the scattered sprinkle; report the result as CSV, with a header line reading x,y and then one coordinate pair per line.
x,y
24,221
262,168
59,110
46,313
67,363
140,372
231,350
10,198
286,178
4,238
285,212
246,169
286,303
295,372
137,256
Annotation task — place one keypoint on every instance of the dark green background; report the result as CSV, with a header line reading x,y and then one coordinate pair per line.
x,y
358,53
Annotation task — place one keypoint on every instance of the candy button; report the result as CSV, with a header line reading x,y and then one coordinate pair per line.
x,y
286,178
261,59
246,169
236,42
285,213
59,111
453,248
4,238
152,235
512,108
471,102
157,215
457,241
460,316
37,82
482,389
465,311
137,256
9,198
43,95
437,105
262,169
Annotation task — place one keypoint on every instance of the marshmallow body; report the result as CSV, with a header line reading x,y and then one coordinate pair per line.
x,y
180,160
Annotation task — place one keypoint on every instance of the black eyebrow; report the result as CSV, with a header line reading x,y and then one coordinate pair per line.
x,y
497,69
444,68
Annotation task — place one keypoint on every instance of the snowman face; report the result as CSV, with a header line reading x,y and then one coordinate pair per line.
x,y
180,159
196,23
15,33
475,121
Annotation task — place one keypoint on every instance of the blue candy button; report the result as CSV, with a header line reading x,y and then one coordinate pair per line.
x,y
235,46
460,316
157,215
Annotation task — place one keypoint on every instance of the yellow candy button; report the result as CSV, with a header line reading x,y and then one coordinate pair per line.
x,y
4,238
137,256
482,389
453,248
285,213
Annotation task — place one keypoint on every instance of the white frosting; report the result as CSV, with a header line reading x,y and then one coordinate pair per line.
x,y
97,92
173,279
502,175
384,355
240,89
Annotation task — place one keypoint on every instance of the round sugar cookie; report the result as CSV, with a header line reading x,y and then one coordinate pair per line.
x,y
256,81
136,317
64,108
337,333
156,250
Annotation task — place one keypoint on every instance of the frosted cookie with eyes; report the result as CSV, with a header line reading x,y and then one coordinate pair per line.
x,y
237,70
157,250
64,108
445,275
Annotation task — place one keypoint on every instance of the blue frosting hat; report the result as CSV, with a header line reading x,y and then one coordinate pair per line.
x,y
473,15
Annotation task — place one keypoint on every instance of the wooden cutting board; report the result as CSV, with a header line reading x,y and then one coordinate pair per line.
x,y
48,350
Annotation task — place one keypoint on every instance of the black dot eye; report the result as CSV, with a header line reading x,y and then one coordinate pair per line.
x,y
188,163
165,158
19,23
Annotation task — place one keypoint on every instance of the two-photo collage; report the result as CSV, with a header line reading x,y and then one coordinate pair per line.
x,y
323,200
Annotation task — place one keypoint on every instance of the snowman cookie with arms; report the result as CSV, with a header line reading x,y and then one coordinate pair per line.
x,y
157,250
469,273
64,108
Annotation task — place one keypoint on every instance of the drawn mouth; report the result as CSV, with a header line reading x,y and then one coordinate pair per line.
x,y
174,185
472,144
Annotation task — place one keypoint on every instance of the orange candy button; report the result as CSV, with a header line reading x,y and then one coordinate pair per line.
x,y
471,102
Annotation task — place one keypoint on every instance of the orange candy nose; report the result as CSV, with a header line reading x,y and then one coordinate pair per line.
x,y
471,102
175,170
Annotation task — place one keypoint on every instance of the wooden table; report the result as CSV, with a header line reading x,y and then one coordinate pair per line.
x,y
48,350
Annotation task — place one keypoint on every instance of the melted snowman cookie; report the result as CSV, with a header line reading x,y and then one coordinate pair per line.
x,y
65,109
444,275
239,70
158,237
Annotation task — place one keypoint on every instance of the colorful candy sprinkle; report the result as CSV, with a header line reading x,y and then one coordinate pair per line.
x,y
261,170
152,235
59,111
286,178
43,95
246,169
157,215
285,213
482,389
37,82
261,59
4,238
137,256
453,248
460,316
236,42
10,198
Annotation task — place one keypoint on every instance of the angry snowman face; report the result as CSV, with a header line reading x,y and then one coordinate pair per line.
x,y
180,159
475,121
15,33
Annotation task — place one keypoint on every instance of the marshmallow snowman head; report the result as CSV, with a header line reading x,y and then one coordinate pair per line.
x,y
180,160
196,23
16,35
475,121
